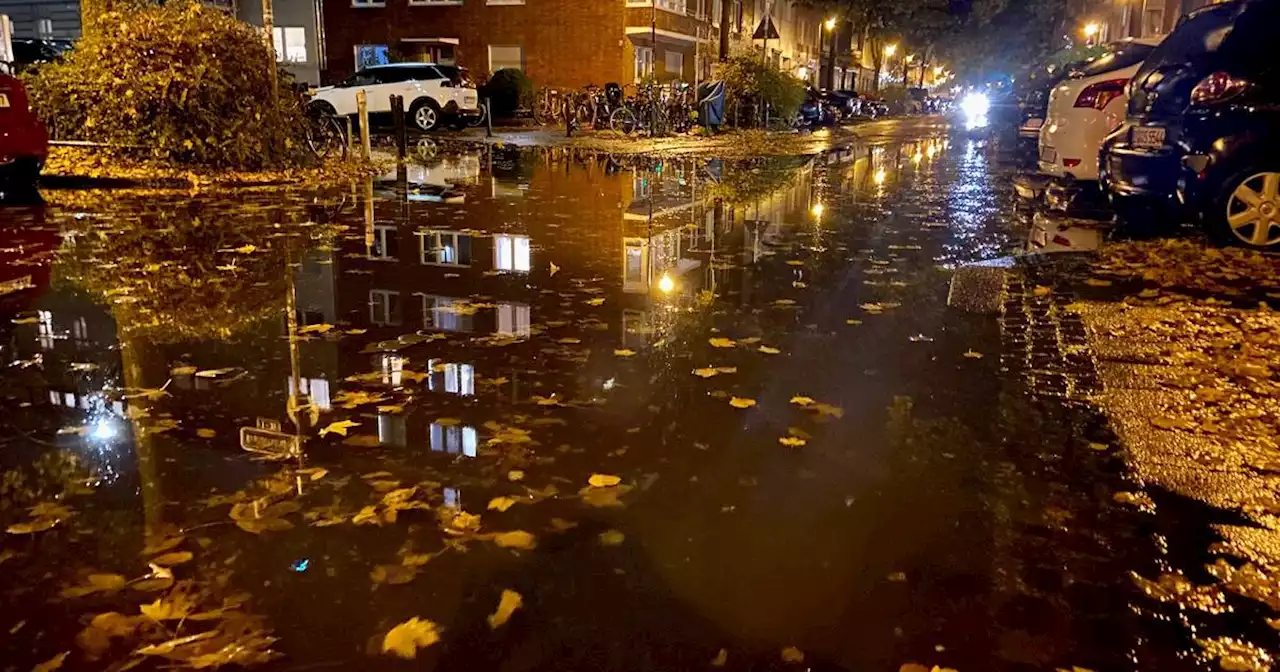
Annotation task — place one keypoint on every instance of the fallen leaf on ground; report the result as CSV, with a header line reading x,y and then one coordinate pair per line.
x,y
507,605
515,539
624,352
612,538
501,503
603,480
340,427
792,441
801,401
768,350
792,655
405,639
54,663
720,342
739,402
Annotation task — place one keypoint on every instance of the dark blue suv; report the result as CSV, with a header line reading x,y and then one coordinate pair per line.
x,y
1202,137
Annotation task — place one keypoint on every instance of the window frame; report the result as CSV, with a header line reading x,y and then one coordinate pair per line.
x,y
438,235
391,318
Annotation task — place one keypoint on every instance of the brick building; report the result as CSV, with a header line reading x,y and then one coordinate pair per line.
x,y
1119,19
563,43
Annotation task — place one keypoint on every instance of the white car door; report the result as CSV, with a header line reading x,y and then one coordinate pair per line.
x,y
343,96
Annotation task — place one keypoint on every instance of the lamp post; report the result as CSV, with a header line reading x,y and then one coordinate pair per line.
x,y
829,26
906,63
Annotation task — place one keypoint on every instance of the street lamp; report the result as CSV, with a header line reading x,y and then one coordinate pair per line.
x,y
1091,31
829,25
890,50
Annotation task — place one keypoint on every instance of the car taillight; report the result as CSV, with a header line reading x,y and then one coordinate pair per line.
x,y
1218,87
1099,95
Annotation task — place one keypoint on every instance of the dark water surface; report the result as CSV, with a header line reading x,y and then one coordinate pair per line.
x,y
811,451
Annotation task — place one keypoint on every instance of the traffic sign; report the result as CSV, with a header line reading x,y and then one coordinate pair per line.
x,y
766,30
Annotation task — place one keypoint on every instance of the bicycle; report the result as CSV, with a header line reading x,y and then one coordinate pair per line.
x,y
326,133
644,112
548,106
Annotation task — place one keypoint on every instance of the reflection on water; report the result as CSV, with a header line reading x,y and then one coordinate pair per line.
x,y
456,347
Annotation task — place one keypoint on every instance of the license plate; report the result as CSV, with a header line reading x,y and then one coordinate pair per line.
x,y
4,100
469,100
1048,155
1148,136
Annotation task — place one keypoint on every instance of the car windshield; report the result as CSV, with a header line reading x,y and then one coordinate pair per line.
x,y
1122,55
455,74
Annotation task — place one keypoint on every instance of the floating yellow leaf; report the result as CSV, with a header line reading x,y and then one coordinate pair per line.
x,y
206,433
853,322
447,422
1097,282
340,427
394,575
612,538
603,480
594,302
721,658
739,402
515,539
801,401
720,342
792,655
792,441
161,610
795,262
390,409
972,354
465,521
569,341
405,639
515,475
316,329
706,373
768,350
501,503
784,302
54,663
554,269
171,559
245,249
106,581
37,525
1041,290
507,605
624,352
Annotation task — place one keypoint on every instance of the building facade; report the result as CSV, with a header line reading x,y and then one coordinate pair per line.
x,y
564,44
297,35
43,19
1119,19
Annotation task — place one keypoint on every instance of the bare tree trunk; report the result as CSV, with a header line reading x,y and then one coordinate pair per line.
x,y
877,59
268,29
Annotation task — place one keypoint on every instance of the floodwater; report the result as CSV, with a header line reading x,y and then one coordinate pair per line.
x,y
690,414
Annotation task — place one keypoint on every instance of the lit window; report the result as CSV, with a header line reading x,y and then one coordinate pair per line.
x,y
453,378
291,44
368,55
384,307
510,57
513,319
453,439
644,63
446,313
392,430
674,62
44,28
392,369
317,389
511,253
44,329
386,244
445,248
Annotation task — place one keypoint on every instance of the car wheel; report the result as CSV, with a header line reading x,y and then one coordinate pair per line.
x,y
1247,210
425,114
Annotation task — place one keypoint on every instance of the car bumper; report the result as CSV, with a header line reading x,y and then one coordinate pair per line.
x,y
23,141
465,108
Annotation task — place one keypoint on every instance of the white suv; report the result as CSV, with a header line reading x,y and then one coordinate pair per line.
x,y
431,92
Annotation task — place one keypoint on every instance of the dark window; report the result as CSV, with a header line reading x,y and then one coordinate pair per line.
x,y
415,73
1126,55
362,78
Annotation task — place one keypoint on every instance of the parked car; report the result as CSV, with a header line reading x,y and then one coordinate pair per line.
x,y
24,142
819,109
28,52
433,94
1031,92
1202,135
1085,107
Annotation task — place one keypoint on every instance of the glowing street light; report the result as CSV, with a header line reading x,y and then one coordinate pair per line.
x,y
830,23
1091,30
666,284
937,71
818,209
890,50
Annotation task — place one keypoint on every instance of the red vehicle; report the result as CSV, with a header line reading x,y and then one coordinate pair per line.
x,y
24,142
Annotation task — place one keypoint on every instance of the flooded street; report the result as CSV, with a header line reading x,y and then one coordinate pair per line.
x,y
570,411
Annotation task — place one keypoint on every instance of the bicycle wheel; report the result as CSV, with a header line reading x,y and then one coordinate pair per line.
x,y
623,120
479,119
325,136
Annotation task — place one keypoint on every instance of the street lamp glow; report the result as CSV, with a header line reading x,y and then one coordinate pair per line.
x,y
830,23
890,50
818,209
911,57
879,177
937,71
1091,29
666,284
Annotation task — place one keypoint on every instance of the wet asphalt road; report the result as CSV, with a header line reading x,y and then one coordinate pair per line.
x,y
819,465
